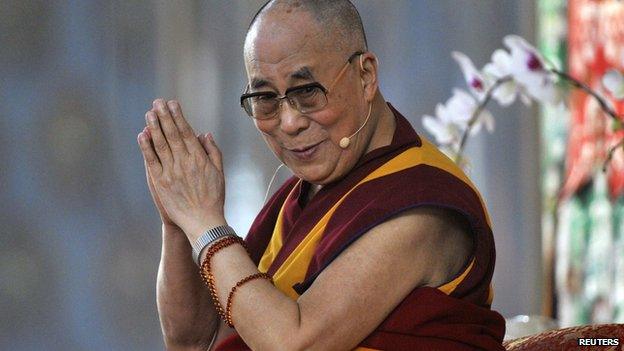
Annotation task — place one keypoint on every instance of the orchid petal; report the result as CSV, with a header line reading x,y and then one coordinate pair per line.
x,y
543,89
474,79
518,45
461,106
437,129
442,114
500,65
528,70
526,99
487,119
505,94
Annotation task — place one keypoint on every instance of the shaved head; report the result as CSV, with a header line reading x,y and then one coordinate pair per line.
x,y
339,20
297,46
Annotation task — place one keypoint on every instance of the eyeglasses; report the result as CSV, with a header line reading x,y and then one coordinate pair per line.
x,y
305,98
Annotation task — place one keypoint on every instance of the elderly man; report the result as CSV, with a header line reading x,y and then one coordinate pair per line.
x,y
378,242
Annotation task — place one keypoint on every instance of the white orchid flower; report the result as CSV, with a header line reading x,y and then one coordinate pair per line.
x,y
444,129
452,119
461,106
613,81
529,70
500,67
475,80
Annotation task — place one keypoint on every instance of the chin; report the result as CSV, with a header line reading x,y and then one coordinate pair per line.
x,y
313,173
327,167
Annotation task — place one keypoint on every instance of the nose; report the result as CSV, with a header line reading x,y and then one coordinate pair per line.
x,y
292,122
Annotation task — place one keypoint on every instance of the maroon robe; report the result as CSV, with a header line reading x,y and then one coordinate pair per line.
x,y
428,317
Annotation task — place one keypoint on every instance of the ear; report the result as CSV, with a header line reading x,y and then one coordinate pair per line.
x,y
369,75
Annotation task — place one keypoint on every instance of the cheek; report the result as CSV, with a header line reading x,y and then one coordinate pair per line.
x,y
274,147
327,118
267,130
266,126
332,121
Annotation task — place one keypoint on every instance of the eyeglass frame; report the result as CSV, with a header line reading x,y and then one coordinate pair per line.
x,y
292,104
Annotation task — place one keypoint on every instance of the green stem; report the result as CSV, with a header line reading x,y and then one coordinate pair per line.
x,y
603,105
610,154
475,115
584,87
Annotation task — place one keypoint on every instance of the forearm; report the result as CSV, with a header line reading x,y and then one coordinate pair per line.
x,y
264,317
188,318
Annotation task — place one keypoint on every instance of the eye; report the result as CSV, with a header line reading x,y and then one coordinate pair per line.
x,y
306,92
264,97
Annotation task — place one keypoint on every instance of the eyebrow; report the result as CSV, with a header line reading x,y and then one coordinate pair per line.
x,y
257,83
303,73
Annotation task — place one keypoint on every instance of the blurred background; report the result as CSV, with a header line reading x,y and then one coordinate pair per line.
x,y
79,235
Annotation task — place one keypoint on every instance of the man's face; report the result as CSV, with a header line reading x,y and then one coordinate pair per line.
x,y
286,51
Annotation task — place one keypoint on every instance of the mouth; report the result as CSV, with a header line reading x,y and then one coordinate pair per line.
x,y
305,152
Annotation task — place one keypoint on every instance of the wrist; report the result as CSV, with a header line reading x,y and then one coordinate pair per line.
x,y
173,233
171,228
208,238
194,230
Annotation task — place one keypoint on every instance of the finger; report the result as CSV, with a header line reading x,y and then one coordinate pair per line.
x,y
207,146
148,176
150,182
150,185
164,217
168,126
203,141
160,143
184,128
149,155
213,151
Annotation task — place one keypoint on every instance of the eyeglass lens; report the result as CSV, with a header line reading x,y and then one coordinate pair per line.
x,y
305,100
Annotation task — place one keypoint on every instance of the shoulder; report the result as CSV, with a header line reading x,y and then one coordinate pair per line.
x,y
437,238
423,206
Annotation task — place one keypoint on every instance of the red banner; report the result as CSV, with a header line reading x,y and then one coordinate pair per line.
x,y
596,44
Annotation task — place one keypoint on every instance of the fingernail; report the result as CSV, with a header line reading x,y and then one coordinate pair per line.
x,y
152,119
210,137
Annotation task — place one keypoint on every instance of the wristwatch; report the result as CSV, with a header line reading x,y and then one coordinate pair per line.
x,y
210,236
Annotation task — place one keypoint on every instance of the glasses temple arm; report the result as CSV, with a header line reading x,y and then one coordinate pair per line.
x,y
342,71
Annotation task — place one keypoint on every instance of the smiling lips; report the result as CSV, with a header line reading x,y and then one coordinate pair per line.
x,y
305,153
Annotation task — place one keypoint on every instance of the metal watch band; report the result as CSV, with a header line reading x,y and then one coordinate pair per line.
x,y
209,237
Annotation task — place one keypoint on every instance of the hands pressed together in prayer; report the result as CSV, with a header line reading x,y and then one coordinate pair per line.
x,y
184,171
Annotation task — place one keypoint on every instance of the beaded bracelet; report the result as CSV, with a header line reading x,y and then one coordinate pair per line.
x,y
228,307
206,272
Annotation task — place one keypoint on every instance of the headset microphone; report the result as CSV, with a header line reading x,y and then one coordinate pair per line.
x,y
344,142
